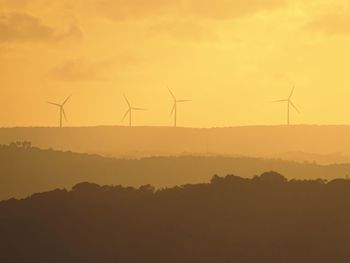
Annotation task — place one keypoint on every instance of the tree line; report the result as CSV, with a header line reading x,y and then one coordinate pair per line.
x,y
231,219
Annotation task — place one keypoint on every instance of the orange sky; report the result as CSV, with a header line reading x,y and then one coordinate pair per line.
x,y
232,58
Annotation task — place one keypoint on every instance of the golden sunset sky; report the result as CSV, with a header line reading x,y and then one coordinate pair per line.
x,y
232,58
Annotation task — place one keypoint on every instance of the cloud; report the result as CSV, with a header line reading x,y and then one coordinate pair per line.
x,y
223,9
80,69
15,3
133,9
23,27
138,9
336,23
183,31
220,9
74,33
83,69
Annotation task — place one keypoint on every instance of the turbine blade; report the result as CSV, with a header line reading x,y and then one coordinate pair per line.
x,y
126,114
291,93
279,101
55,104
65,101
291,103
64,114
173,109
172,94
127,101
138,109
183,101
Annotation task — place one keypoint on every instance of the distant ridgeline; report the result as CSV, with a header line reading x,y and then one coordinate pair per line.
x,y
231,219
25,169
323,144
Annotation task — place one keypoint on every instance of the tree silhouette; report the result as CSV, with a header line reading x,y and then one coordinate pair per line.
x,y
230,219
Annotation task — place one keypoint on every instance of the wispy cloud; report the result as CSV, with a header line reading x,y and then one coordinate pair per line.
x,y
84,69
23,27
220,9
183,30
73,32
79,69
223,9
334,23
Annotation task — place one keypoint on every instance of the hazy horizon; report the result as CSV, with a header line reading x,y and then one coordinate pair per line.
x,y
324,144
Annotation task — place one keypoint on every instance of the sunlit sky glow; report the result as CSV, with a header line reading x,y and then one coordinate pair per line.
x,y
232,58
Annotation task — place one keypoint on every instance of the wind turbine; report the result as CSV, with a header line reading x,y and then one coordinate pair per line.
x,y
174,109
129,111
289,103
61,107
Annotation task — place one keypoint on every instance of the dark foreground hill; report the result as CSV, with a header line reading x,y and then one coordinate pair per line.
x,y
27,170
266,219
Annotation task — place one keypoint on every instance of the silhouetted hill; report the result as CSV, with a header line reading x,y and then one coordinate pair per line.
x,y
139,142
265,219
24,171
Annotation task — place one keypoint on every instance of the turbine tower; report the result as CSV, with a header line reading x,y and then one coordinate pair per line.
x,y
62,111
289,103
174,109
129,111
